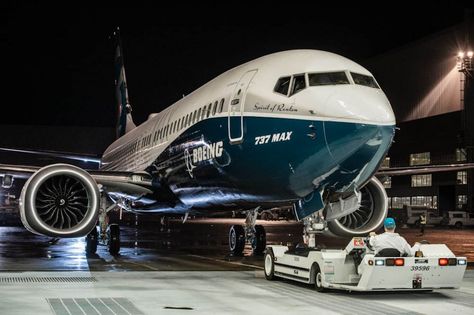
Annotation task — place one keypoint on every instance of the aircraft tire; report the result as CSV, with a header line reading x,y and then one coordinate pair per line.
x,y
236,240
113,236
91,241
260,241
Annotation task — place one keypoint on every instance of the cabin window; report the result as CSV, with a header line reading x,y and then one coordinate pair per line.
x,y
328,78
299,83
198,115
194,116
221,105
203,113
282,85
214,108
365,80
209,110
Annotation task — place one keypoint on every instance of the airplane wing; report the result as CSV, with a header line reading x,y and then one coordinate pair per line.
x,y
56,154
414,170
127,182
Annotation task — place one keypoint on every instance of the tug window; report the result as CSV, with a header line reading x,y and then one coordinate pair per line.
x,y
299,84
365,80
328,78
282,85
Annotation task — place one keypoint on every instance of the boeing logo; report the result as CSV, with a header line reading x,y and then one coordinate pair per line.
x,y
202,153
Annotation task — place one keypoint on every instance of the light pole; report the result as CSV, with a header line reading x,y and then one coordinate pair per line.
x,y
464,66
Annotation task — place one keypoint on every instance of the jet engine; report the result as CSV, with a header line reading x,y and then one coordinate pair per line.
x,y
370,215
60,200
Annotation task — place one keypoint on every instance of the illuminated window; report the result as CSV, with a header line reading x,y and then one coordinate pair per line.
x,y
420,158
388,182
386,162
399,202
461,155
426,201
461,201
462,178
421,180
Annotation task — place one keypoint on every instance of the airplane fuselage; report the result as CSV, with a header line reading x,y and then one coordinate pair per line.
x,y
239,141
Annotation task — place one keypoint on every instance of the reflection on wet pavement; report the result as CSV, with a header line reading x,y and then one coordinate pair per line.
x,y
199,244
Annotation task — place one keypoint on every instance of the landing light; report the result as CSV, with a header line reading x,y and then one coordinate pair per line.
x,y
443,261
469,54
379,262
461,54
399,262
462,262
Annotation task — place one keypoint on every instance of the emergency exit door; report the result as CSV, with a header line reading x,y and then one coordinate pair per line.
x,y
236,108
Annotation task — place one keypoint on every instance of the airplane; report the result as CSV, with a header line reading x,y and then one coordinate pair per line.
x,y
306,129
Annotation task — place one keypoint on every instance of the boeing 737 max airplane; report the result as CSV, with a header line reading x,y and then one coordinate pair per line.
x,y
306,129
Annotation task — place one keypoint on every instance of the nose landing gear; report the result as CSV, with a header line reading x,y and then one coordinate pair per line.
x,y
250,232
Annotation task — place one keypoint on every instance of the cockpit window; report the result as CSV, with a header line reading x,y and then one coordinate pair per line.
x,y
328,78
282,85
365,80
299,84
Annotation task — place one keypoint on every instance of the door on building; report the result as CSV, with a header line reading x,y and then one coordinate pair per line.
x,y
446,199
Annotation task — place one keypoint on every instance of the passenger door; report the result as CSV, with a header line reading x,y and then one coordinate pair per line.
x,y
236,108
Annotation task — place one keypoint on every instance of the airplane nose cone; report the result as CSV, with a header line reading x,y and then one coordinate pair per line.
x,y
367,105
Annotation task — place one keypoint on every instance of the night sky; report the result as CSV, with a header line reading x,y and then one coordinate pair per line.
x,y
59,60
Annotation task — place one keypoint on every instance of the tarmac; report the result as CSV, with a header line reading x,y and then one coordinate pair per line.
x,y
184,269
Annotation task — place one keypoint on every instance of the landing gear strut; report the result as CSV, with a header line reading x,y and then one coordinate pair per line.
x,y
313,224
106,234
252,233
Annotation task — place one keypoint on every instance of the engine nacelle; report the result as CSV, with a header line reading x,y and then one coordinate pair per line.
x,y
60,200
369,217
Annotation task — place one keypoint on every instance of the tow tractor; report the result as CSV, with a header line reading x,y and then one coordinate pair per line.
x,y
356,268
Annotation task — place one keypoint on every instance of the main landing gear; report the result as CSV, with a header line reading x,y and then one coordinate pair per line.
x,y
250,232
105,234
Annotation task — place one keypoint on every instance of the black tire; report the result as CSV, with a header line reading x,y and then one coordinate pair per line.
x,y
317,274
91,241
236,240
269,265
113,237
458,225
260,241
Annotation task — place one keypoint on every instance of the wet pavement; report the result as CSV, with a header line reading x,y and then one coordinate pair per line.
x,y
200,244
182,268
